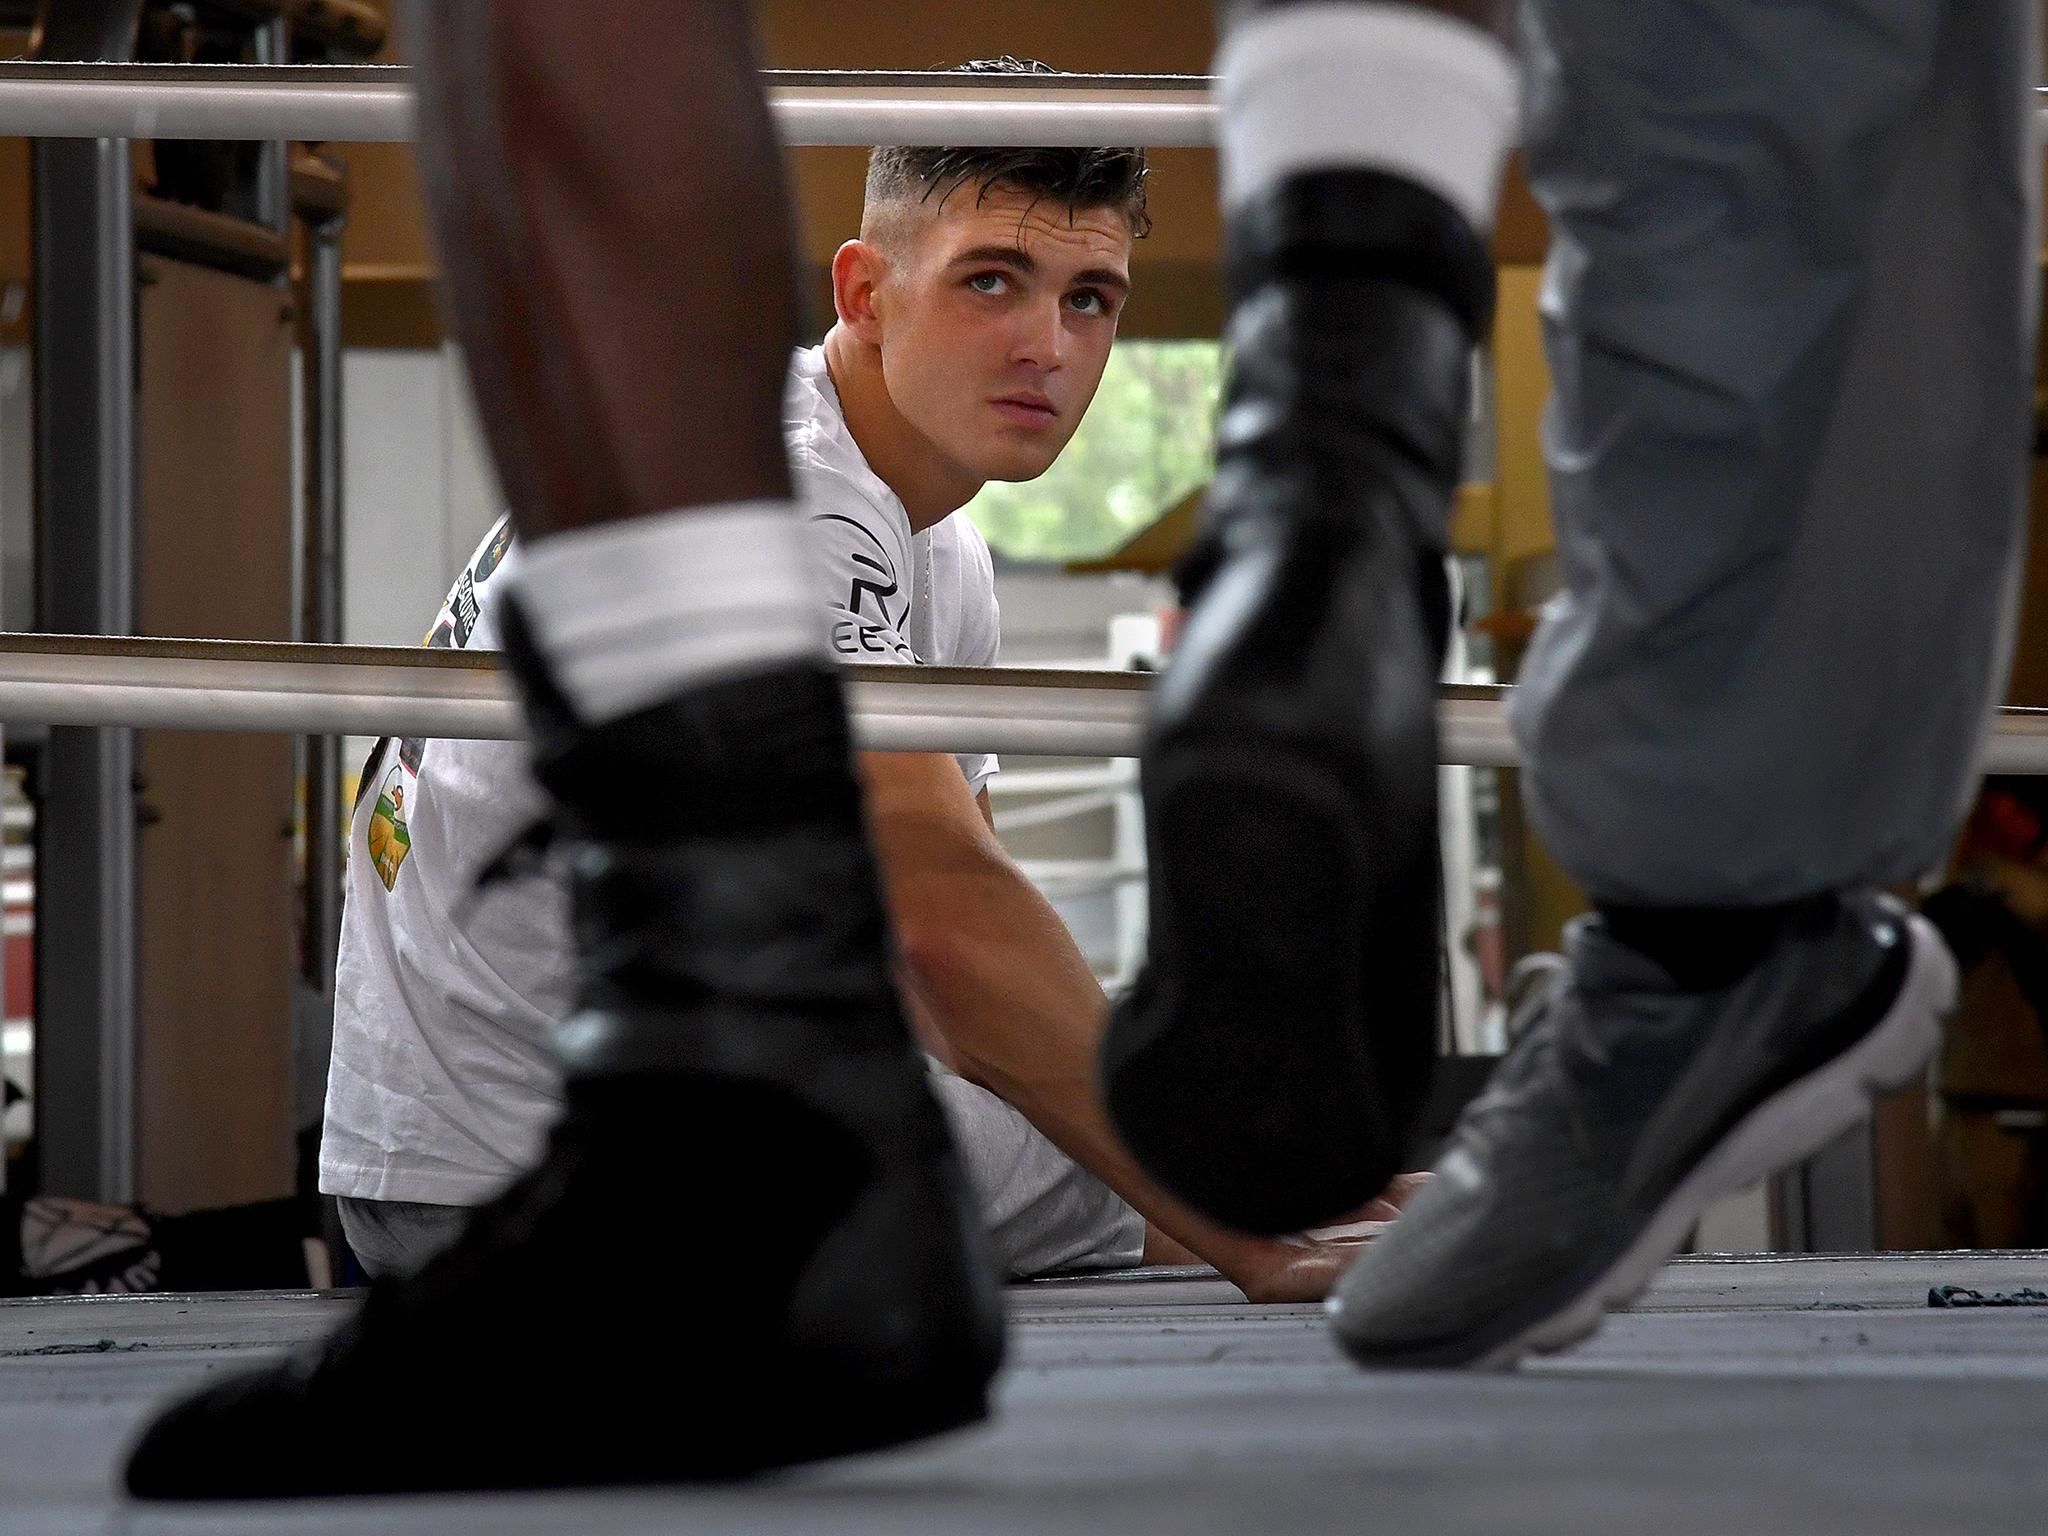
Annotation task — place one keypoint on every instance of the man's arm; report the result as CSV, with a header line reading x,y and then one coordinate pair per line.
x,y
1019,1009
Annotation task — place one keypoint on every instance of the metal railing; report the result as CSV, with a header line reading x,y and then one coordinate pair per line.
x,y
368,103
241,685
374,103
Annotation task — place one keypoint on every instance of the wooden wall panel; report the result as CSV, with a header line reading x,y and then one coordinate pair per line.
x,y
214,887
14,239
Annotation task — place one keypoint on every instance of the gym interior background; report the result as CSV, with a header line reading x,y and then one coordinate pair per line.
x,y
241,362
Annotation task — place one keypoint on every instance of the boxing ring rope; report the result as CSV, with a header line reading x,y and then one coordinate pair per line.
x,y
239,685
374,103
369,103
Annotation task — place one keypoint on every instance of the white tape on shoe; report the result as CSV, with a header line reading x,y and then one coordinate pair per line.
x,y
1393,87
632,612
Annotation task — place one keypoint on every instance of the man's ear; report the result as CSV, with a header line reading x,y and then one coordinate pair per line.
x,y
858,270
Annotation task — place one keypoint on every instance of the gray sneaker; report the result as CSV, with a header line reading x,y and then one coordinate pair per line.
x,y
1623,1111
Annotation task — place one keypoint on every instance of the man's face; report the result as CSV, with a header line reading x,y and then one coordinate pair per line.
x,y
996,321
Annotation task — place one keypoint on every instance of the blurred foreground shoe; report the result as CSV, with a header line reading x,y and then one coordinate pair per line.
x,y
1270,1062
825,1288
1624,1110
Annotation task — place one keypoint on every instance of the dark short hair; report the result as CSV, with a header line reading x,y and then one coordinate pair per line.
x,y
1079,178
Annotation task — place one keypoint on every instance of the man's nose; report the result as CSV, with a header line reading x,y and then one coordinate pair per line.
x,y
1040,338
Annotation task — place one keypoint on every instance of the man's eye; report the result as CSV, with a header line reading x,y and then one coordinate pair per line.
x,y
1089,301
987,282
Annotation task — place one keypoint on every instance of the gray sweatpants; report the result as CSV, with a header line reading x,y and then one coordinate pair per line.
x,y
1790,318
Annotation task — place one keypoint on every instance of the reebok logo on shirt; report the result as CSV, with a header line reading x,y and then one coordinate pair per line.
x,y
852,638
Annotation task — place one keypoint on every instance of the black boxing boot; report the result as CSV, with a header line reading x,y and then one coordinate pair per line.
x,y
1270,1062
740,1067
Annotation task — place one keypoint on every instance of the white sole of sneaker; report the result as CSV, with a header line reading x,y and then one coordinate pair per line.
x,y
1797,1122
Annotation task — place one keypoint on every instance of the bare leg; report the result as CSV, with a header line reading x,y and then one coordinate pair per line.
x,y
616,238
609,194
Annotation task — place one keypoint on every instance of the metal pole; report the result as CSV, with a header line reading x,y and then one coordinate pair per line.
x,y
271,191
319,617
85,434
373,103
230,685
366,103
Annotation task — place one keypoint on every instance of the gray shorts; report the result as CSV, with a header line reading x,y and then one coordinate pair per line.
x,y
393,1238
1043,1211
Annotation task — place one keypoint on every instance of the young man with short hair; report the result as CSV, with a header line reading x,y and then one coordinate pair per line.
x,y
975,315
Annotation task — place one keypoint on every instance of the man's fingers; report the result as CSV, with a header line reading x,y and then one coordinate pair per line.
x,y
1307,1272
1371,1219
1362,1229
1402,1188
1306,1267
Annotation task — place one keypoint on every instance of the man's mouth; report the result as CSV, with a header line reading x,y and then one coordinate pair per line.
x,y
1027,410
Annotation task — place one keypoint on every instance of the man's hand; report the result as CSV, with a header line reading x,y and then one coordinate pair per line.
x,y
1300,1268
1294,1268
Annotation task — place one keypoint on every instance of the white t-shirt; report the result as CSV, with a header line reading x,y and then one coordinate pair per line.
x,y
442,1083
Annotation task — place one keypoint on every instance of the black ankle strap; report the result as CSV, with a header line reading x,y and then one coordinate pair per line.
x,y
760,751
1363,222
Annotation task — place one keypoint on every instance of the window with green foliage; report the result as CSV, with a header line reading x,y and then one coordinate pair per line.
x,y
1147,441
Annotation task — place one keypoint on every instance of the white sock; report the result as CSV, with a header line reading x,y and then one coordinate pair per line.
x,y
633,612
1394,87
